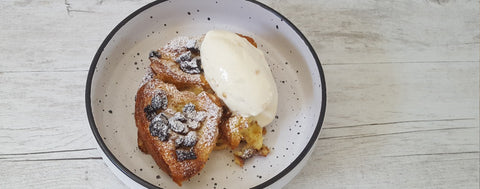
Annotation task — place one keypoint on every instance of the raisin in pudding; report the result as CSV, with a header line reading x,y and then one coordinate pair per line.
x,y
203,93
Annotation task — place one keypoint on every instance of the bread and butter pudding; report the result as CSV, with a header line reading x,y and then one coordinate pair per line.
x,y
203,93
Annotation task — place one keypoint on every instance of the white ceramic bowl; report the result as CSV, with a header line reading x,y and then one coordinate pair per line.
x,y
121,61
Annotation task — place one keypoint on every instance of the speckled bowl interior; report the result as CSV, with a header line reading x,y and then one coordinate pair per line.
x,y
121,62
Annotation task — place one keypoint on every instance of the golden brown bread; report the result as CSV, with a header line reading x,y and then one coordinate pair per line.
x,y
230,130
164,153
165,64
169,71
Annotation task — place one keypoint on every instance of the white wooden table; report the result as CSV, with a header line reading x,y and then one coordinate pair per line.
x,y
402,81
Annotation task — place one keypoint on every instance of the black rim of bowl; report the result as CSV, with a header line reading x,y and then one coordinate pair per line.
x,y
144,183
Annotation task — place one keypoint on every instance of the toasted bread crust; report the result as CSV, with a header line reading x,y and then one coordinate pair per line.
x,y
230,129
169,71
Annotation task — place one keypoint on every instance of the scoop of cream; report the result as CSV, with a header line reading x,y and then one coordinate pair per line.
x,y
239,74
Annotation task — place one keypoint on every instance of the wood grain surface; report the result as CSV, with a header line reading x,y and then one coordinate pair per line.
x,y
402,82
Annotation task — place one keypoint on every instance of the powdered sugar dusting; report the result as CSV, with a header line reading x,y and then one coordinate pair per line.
x,y
211,123
181,42
232,123
177,43
190,139
147,77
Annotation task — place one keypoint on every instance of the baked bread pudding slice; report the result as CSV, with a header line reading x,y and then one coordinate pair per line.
x,y
179,129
